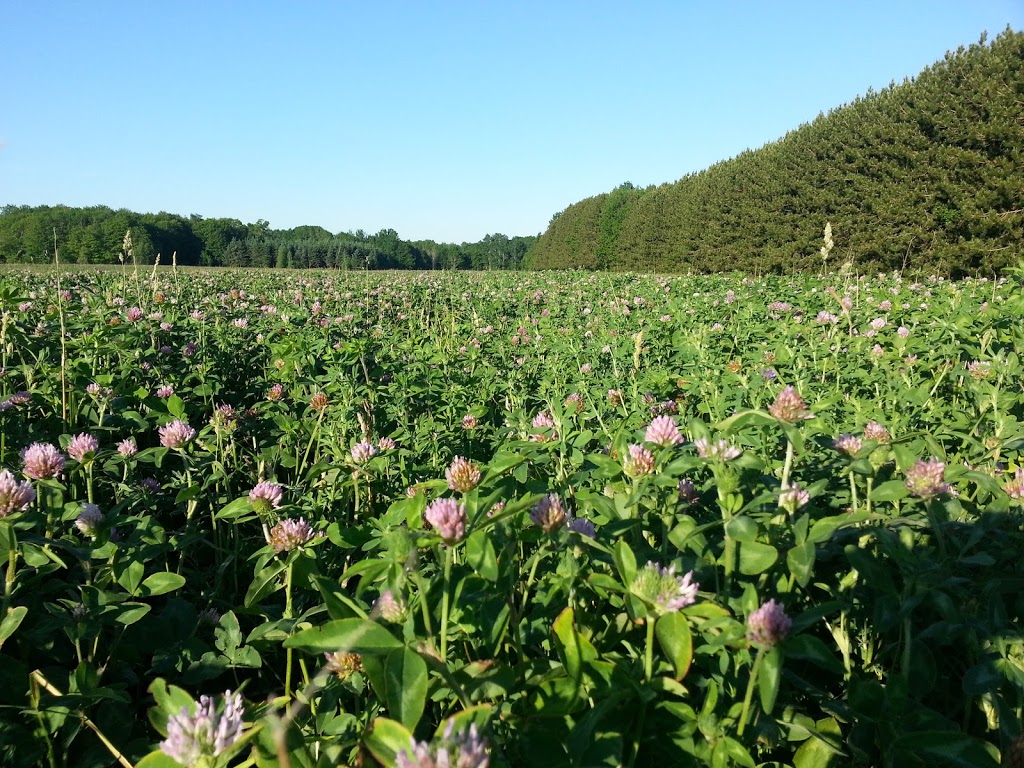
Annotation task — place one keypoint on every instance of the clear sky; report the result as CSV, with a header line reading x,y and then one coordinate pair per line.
x,y
441,120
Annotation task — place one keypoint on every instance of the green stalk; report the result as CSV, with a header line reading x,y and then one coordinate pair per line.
x,y
50,753
788,467
88,481
45,508
428,625
288,615
444,602
750,691
535,561
730,557
190,506
38,679
12,566
649,651
933,520
309,446
853,492
729,502
638,734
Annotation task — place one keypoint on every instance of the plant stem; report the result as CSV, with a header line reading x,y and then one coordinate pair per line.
x,y
424,605
309,446
730,557
355,492
787,468
39,679
444,602
750,690
190,505
649,652
288,615
638,735
12,565
533,572
933,520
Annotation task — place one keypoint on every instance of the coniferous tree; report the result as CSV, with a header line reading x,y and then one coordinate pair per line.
x,y
924,174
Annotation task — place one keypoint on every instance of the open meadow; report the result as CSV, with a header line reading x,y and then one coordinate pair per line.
x,y
276,518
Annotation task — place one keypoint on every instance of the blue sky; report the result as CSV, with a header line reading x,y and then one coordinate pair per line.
x,y
442,120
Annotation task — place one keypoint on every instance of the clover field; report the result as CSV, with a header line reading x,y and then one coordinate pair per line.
x,y
563,519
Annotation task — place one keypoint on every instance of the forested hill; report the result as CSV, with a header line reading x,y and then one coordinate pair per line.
x,y
96,235
927,174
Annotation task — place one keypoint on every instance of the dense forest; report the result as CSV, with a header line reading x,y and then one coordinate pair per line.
x,y
926,174
96,235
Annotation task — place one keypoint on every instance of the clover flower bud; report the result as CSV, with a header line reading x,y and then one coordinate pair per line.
x,y
15,496
661,587
463,476
193,738
789,407
638,462
41,461
89,519
288,535
549,513
83,447
768,625
663,431
448,518
176,434
465,750
362,452
266,496
926,479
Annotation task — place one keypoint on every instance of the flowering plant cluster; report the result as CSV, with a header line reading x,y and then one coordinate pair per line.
x,y
507,519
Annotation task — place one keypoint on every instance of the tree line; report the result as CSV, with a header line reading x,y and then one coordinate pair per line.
x,y
925,174
96,235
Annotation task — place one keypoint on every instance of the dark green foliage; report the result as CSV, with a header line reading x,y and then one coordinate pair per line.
x,y
95,236
861,469
924,174
571,239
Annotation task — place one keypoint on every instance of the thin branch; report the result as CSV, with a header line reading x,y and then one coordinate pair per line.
x,y
39,678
